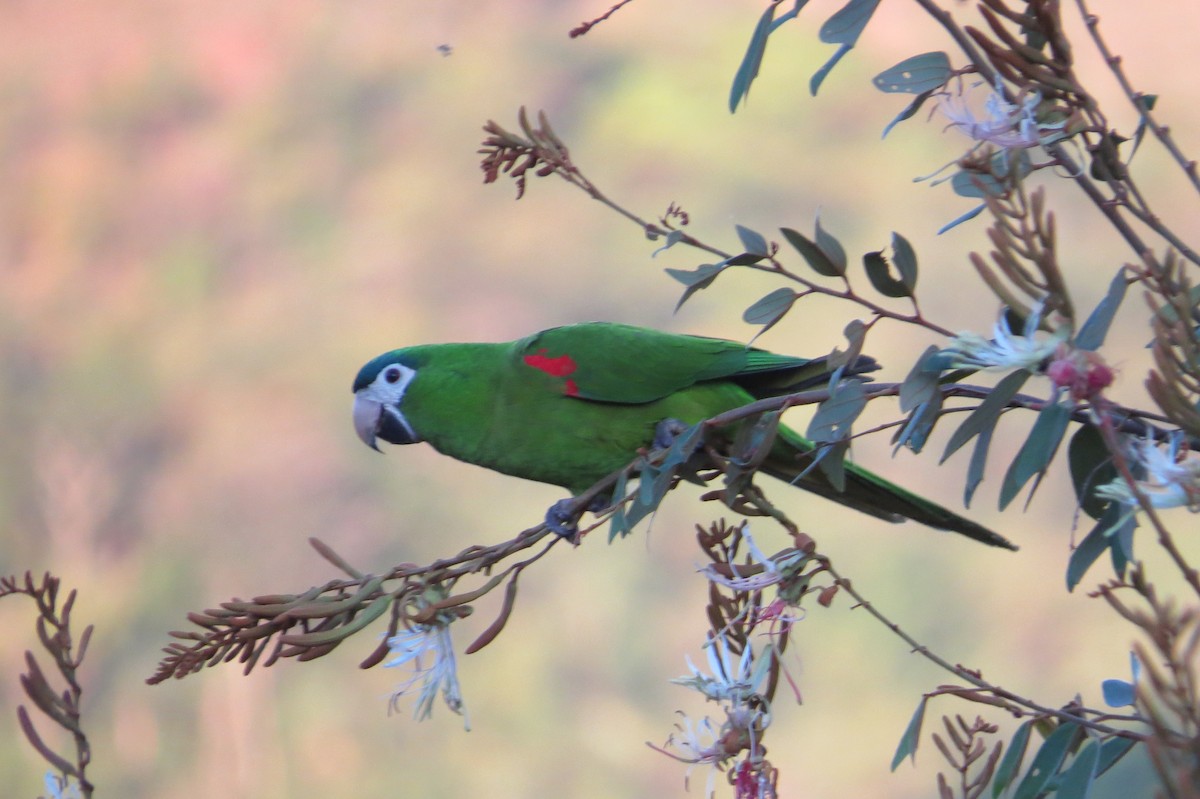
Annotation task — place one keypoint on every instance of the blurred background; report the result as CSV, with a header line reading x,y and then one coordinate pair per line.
x,y
212,214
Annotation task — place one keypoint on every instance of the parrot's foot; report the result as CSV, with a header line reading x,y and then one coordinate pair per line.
x,y
666,431
562,518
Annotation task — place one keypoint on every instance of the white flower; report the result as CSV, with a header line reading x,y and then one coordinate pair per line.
x,y
1172,478
696,745
1000,123
1004,350
729,682
431,651
770,573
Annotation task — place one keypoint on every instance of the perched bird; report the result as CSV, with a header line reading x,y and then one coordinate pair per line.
x,y
570,405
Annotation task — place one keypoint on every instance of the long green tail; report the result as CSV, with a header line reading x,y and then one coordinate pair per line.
x,y
868,492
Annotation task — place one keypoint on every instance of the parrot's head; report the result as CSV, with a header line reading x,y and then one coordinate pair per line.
x,y
378,399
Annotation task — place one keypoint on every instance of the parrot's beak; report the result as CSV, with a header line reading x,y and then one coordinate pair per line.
x,y
367,413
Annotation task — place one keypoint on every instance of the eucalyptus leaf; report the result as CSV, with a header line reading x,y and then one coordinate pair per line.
x,y
753,241
847,24
1091,335
1077,780
975,468
816,258
876,266
1093,545
1010,764
831,247
1091,466
752,60
919,74
1037,452
911,737
1046,762
988,413
771,308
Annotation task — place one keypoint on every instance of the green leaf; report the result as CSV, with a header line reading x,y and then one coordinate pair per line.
x,y
753,241
1145,102
816,258
843,28
1047,761
705,274
911,737
834,416
1093,545
905,262
921,383
1091,335
847,24
814,83
1037,451
988,413
975,468
1091,466
831,460
1111,752
1077,780
907,113
618,526
919,74
831,247
920,424
958,220
695,280
1010,764
771,308
752,60
876,265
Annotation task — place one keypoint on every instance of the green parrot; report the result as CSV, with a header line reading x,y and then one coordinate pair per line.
x,y
570,405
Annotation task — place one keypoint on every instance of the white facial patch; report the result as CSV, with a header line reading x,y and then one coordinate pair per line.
x,y
388,390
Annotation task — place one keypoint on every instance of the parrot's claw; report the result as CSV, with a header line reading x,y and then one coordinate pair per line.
x,y
562,518
666,431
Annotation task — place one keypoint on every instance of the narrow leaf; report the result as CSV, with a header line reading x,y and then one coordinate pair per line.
x,y
814,83
834,416
919,74
1010,764
911,737
1111,752
816,259
695,280
921,383
1077,780
1037,451
988,413
847,24
617,524
1047,761
907,113
1091,335
975,468
752,60
920,424
1092,546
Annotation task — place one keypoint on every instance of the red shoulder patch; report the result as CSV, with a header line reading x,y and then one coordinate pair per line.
x,y
558,366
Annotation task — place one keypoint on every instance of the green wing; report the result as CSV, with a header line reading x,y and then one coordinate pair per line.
x,y
607,362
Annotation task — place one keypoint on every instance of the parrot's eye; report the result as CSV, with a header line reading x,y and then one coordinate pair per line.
x,y
392,375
